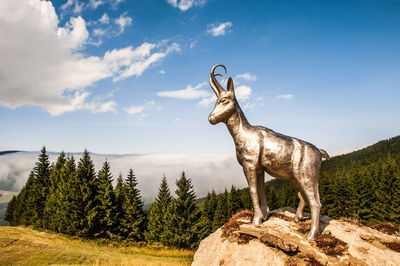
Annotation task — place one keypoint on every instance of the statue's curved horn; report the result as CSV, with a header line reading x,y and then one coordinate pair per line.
x,y
217,88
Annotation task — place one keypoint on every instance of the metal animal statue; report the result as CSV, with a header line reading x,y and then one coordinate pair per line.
x,y
259,150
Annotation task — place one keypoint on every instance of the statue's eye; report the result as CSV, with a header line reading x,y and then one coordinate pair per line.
x,y
224,100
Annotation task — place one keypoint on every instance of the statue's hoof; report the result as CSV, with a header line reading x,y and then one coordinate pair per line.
x,y
257,220
296,219
313,235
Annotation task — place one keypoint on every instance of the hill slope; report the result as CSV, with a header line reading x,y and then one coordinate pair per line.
x,y
24,246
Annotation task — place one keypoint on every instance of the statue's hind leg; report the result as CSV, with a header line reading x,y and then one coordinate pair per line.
x,y
312,194
262,194
302,197
299,213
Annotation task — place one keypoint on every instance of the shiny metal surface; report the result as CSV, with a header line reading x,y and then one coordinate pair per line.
x,y
259,150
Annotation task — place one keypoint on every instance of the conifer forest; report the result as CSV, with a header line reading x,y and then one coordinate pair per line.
x,y
69,197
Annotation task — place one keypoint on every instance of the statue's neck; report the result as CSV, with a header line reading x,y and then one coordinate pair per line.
x,y
237,122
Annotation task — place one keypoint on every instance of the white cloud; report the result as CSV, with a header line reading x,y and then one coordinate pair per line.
x,y
122,22
246,76
184,5
75,5
285,96
188,93
95,3
259,98
41,64
243,92
208,101
98,32
162,72
219,29
129,62
104,19
249,106
139,109
192,44
207,171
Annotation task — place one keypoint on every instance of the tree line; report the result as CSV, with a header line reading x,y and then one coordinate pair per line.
x,y
73,199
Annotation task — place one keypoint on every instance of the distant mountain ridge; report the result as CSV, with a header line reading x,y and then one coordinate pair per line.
x,y
8,152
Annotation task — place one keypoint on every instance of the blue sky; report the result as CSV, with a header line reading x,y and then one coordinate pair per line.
x,y
131,76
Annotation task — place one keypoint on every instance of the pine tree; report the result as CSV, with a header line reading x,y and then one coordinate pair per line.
x,y
135,218
51,210
385,179
71,209
9,217
157,223
394,207
88,189
25,207
183,216
234,202
107,202
41,187
366,199
272,198
221,214
120,199
246,199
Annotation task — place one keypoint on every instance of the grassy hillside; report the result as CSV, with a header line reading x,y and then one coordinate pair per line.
x,y
24,246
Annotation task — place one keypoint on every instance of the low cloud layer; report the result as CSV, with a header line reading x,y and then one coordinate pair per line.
x,y
207,171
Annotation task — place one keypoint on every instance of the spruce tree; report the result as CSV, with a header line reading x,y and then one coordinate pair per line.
x,y
234,202
366,199
9,216
71,197
221,213
272,198
135,218
183,216
107,209
120,199
394,207
157,223
385,179
41,187
51,211
88,189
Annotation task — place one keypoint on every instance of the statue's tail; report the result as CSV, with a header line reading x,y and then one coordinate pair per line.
x,y
324,154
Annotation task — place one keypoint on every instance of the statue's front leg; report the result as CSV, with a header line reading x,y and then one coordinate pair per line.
x,y
251,176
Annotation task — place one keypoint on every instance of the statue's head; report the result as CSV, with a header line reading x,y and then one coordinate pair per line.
x,y
226,101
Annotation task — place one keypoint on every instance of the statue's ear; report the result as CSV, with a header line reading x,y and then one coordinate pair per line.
x,y
230,85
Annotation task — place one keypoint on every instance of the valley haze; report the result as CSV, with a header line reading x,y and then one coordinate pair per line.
x,y
207,171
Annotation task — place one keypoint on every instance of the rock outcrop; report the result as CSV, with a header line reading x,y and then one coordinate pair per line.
x,y
281,241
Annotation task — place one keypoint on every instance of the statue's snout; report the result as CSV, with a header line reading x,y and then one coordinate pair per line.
x,y
211,119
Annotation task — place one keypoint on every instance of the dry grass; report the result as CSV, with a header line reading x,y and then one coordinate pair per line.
x,y
392,245
230,228
24,246
330,245
387,228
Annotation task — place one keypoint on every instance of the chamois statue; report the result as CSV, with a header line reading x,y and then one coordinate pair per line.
x,y
260,149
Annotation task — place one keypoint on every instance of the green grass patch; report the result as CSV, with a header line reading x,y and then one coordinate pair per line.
x,y
25,246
